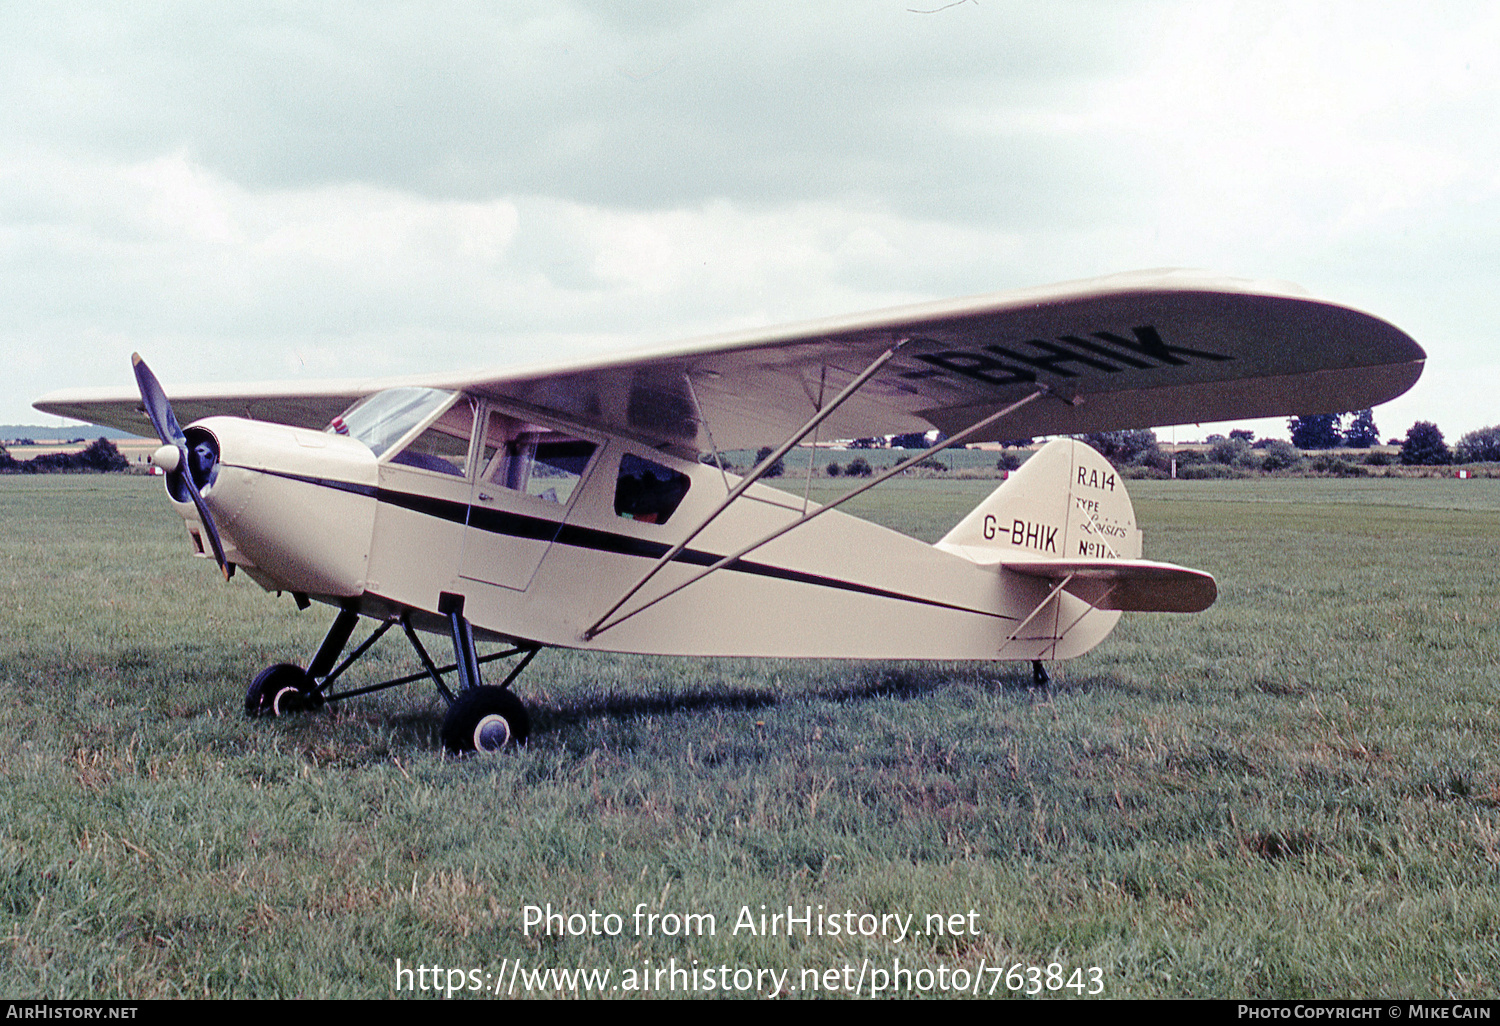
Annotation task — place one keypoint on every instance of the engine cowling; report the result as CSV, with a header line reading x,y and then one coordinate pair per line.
x,y
294,508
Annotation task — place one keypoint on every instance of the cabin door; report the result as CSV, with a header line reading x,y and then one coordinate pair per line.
x,y
526,479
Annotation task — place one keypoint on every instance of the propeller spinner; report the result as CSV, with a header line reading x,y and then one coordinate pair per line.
x,y
187,466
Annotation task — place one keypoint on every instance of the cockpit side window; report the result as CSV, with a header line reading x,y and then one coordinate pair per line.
x,y
444,447
648,492
532,459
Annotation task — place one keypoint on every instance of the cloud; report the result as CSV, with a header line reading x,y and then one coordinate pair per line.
x,y
303,189
752,102
230,283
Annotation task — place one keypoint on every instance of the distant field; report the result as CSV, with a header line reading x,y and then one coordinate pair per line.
x,y
136,450
1294,794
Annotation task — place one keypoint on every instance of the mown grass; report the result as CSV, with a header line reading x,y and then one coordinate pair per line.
x,y
1296,793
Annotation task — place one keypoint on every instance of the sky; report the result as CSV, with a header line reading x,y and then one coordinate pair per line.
x,y
301,191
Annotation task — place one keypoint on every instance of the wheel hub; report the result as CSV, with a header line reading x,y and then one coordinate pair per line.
x,y
288,701
492,733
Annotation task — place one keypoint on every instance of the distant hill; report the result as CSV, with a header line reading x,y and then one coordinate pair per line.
x,y
41,433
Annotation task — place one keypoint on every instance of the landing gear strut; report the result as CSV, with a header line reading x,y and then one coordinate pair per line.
x,y
483,718
1040,678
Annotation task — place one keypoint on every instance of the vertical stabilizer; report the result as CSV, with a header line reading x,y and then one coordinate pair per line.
x,y
1066,502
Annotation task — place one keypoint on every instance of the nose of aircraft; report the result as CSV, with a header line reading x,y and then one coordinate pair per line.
x,y
295,508
199,454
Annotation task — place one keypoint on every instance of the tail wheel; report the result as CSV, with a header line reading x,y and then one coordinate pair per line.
x,y
485,719
1040,678
280,690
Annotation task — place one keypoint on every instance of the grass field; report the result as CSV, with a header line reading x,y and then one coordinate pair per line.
x,y
1296,793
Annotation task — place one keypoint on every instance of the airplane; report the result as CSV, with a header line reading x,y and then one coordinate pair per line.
x,y
584,504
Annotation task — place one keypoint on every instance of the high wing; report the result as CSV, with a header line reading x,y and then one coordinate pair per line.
x,y
301,404
1133,350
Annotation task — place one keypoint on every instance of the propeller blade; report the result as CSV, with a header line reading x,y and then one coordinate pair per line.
x,y
159,409
154,397
208,524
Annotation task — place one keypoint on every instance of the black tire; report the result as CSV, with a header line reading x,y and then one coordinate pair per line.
x,y
485,719
279,691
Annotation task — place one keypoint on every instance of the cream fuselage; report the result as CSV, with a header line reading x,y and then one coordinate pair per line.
x,y
316,513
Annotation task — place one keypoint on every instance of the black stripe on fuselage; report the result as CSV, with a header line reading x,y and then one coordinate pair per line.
x,y
519,525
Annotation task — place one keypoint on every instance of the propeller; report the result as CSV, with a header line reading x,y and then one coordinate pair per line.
x,y
186,465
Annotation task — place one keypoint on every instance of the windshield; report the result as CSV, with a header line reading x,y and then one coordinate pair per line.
x,y
381,420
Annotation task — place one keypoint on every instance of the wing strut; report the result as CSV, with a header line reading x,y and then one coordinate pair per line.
x,y
600,626
713,446
812,456
748,480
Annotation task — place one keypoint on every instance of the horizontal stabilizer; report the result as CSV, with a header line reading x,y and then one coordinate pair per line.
x,y
1131,585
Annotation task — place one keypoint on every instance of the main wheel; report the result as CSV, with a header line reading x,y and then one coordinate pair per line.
x,y
485,719
279,690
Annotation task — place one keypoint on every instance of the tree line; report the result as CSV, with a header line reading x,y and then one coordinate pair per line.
x,y
1320,447
1423,445
101,457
